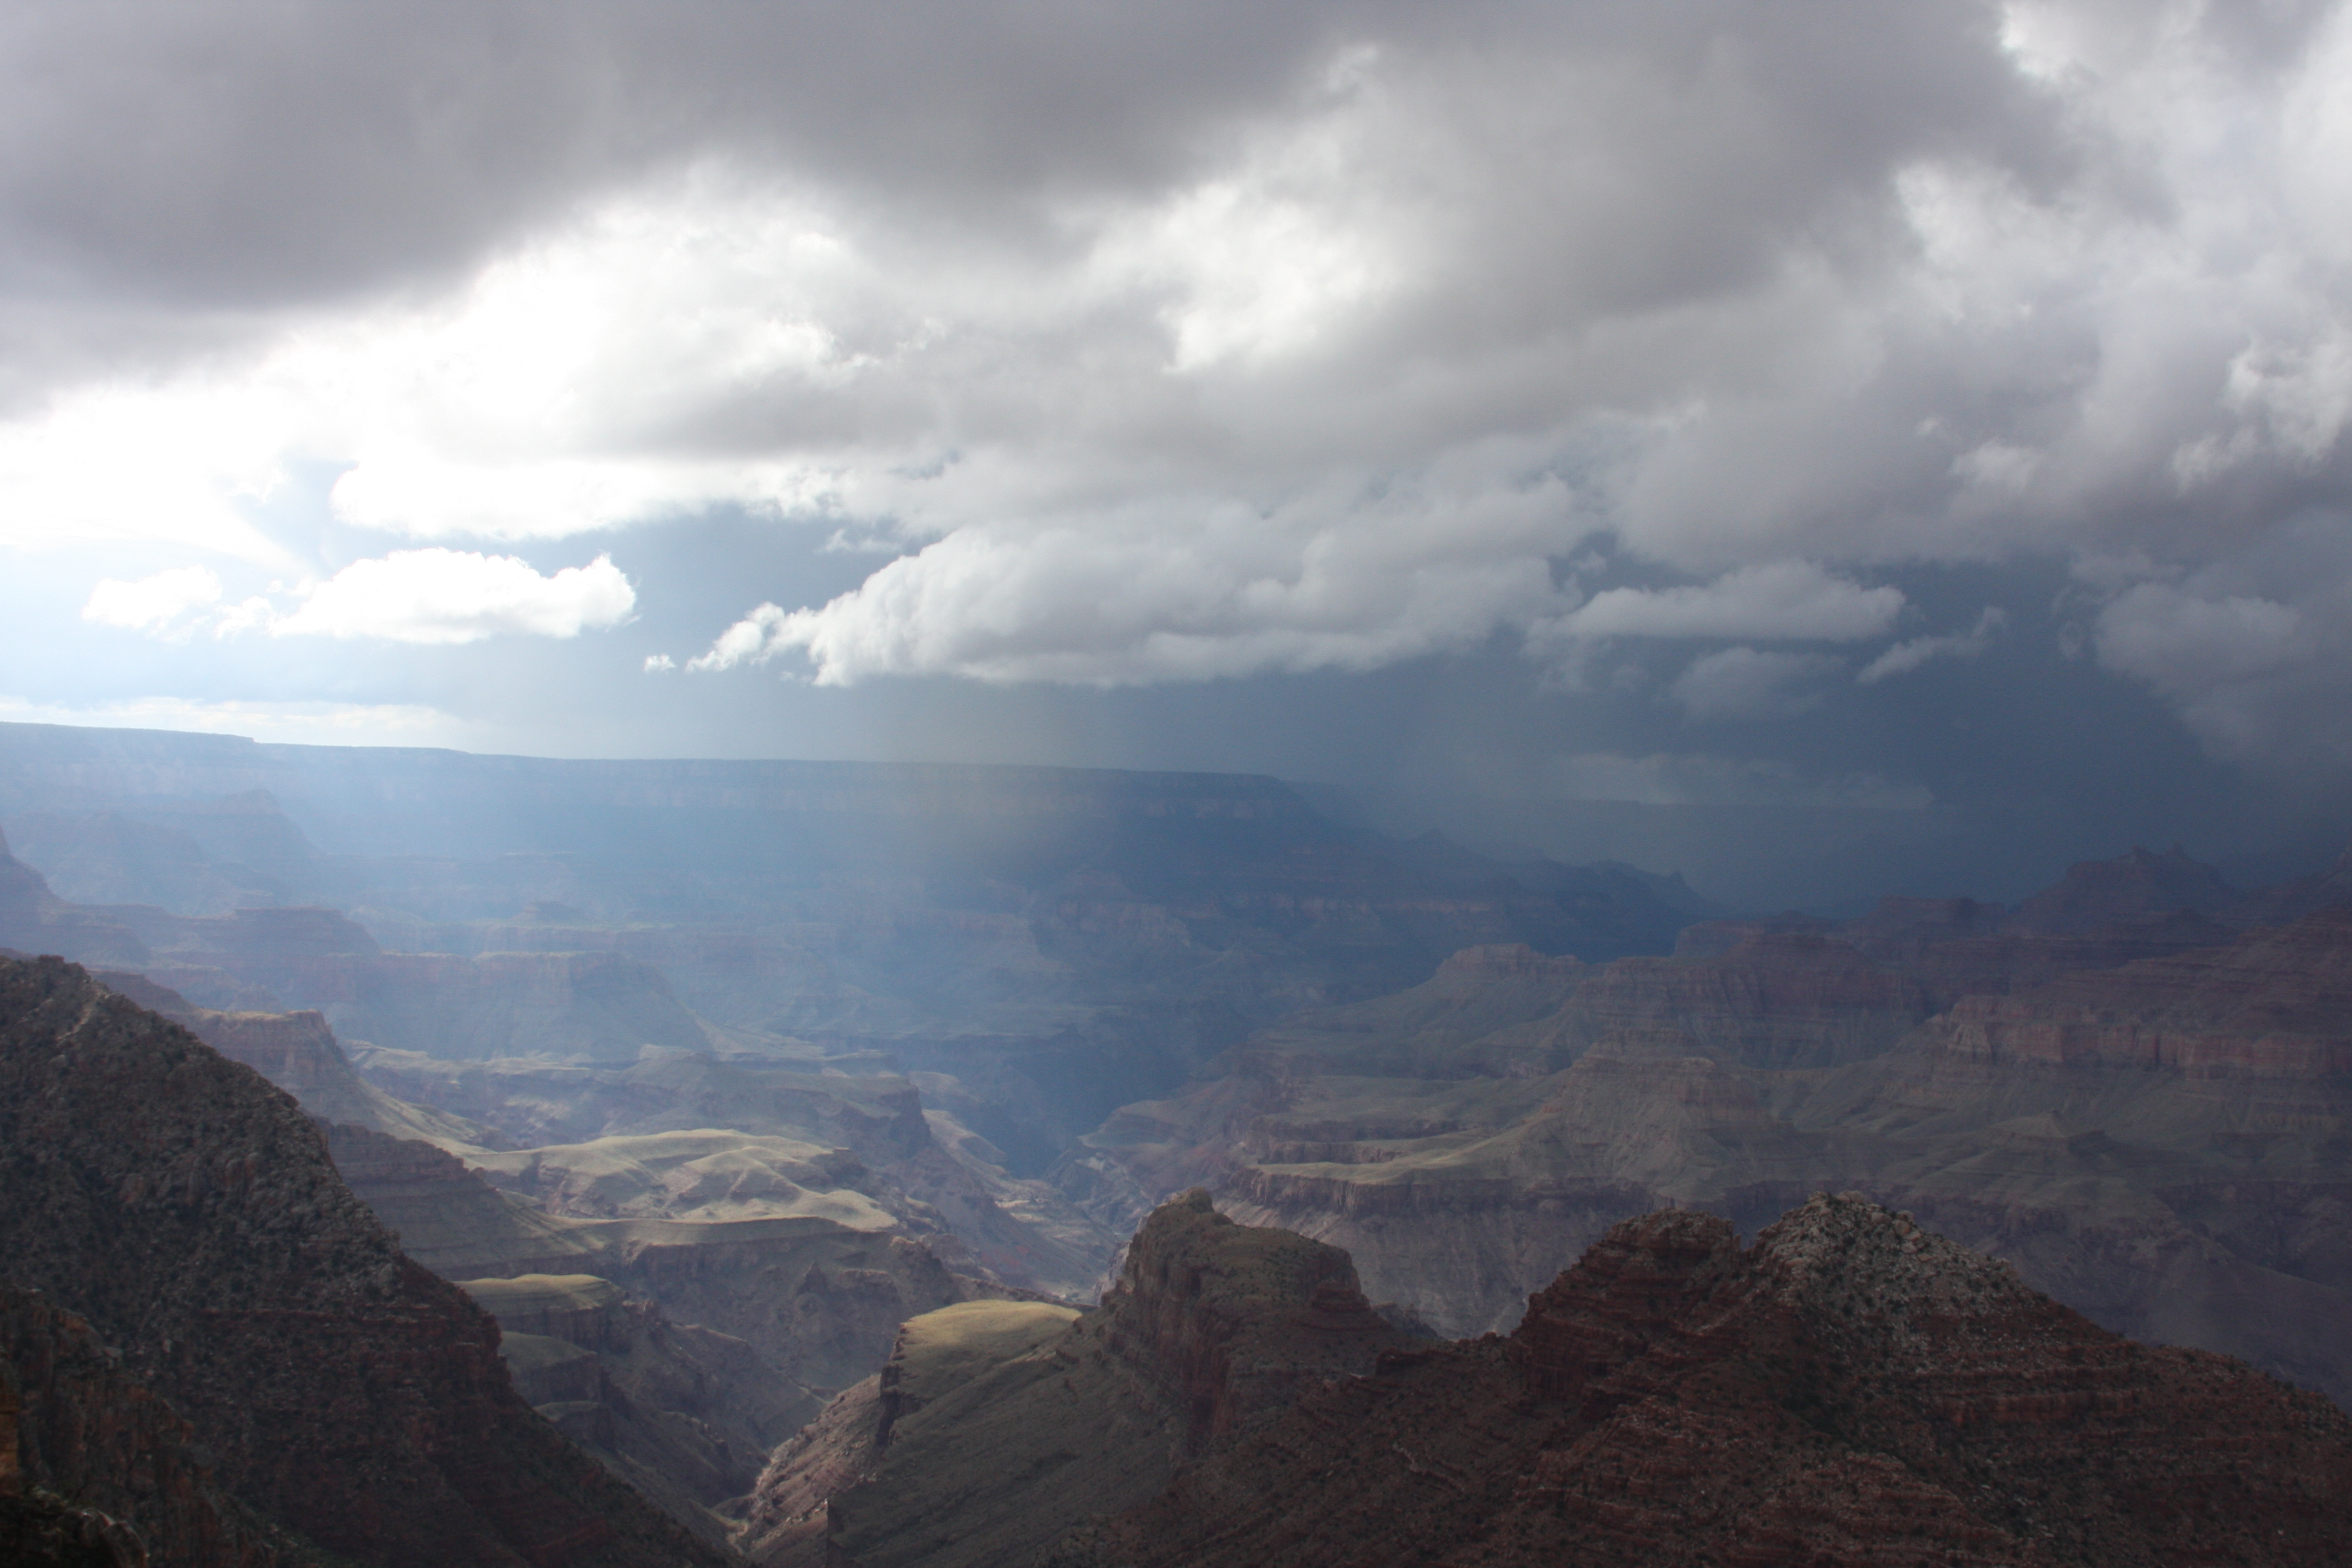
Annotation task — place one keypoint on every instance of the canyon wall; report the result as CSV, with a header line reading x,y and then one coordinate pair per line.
x,y
1852,1388
188,1211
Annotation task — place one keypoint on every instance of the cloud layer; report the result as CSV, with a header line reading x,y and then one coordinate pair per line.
x,y
1153,344
429,596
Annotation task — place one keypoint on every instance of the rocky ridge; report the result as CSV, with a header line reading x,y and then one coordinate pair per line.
x,y
2159,1138
994,1427
189,1212
1851,1388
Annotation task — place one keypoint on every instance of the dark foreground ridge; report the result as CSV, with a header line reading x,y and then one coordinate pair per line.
x,y
187,1212
1849,1390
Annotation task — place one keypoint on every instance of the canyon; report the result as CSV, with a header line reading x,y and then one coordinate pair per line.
x,y
762,1108
2159,1138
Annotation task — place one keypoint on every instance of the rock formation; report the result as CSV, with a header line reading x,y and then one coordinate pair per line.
x,y
996,1426
1850,1389
189,1213
300,1054
688,1349
694,1135
34,920
2158,1138
686,1414
75,1425
1057,942
2140,885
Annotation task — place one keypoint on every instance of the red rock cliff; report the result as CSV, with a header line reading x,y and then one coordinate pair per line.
x,y
1849,1390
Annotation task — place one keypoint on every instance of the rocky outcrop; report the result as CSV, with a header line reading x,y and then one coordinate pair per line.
x,y
300,1054
686,1415
189,1212
1232,1320
996,1427
1850,1389
75,1425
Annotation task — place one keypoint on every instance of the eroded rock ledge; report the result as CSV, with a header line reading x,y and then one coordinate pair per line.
x,y
1850,1389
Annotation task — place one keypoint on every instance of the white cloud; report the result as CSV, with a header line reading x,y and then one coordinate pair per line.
x,y
154,603
1905,656
177,466
1288,353
755,639
459,596
1744,683
1791,600
2256,653
2178,642
1335,580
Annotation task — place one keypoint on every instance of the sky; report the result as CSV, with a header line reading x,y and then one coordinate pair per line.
x,y
1817,447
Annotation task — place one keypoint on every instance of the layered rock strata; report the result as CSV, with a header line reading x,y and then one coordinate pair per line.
x,y
2160,1142
685,1414
189,1212
75,1425
1850,1389
997,1426
818,1301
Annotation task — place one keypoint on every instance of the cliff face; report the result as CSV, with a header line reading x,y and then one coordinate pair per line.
x,y
817,1300
685,1414
189,1212
2276,1004
1851,1389
75,1425
300,1054
695,1136
995,1428
589,1006
34,919
2159,1141
2241,1054
1232,1320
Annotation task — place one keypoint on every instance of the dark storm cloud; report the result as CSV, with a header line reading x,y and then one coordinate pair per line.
x,y
1652,344
257,154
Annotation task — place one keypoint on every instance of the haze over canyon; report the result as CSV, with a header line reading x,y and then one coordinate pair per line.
x,y
677,1162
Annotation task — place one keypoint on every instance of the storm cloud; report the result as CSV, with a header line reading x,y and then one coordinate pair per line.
x,y
1116,346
